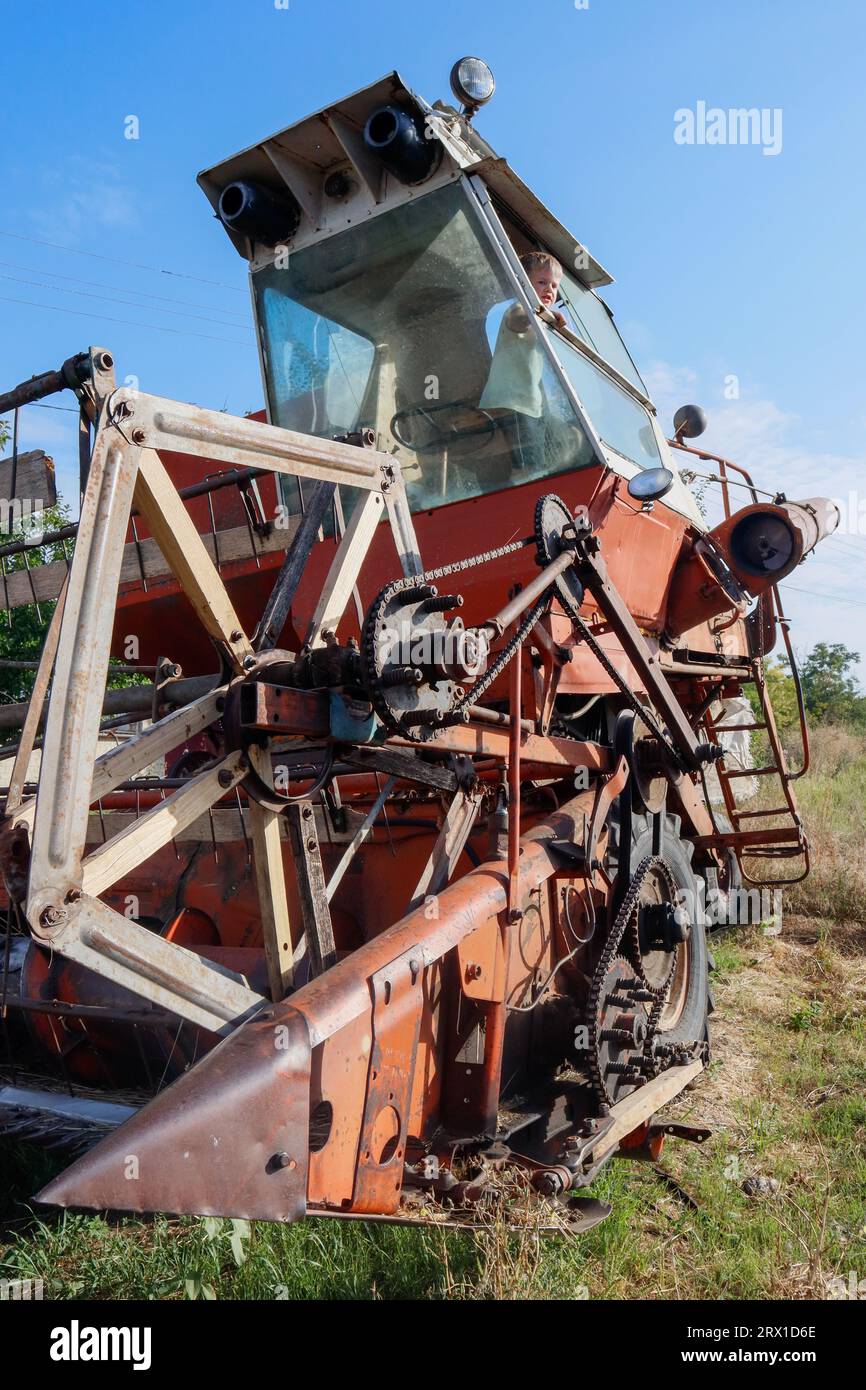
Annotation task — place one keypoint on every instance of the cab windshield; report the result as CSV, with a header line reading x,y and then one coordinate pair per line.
x,y
408,324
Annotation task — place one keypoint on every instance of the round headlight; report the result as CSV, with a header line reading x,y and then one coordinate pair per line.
x,y
472,82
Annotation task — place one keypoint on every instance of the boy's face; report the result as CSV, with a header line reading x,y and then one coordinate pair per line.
x,y
545,281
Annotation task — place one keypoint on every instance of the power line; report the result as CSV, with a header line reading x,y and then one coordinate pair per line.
x,y
115,260
110,299
130,323
848,545
831,598
122,289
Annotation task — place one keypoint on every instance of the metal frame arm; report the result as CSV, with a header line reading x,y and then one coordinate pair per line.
x,y
63,906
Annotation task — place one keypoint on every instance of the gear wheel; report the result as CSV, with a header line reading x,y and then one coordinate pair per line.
x,y
552,516
619,1030
405,636
402,693
623,1056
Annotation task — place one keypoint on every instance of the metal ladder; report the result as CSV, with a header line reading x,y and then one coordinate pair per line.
x,y
756,834
749,840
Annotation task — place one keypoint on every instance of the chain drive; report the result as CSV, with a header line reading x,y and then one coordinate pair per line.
x,y
627,920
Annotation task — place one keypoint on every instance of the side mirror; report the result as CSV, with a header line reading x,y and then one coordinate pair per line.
x,y
651,484
689,422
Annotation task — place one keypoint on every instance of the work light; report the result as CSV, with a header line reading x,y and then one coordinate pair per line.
x,y
472,83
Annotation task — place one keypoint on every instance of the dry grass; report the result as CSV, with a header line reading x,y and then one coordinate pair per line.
x,y
832,798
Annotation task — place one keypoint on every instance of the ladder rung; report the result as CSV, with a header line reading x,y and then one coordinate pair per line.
x,y
773,851
736,728
779,811
749,771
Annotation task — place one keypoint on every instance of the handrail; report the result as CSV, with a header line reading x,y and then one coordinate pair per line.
x,y
798,687
724,465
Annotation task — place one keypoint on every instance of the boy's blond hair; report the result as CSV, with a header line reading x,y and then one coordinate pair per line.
x,y
536,260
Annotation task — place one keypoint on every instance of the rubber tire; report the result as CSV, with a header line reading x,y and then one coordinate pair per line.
x,y
717,917
677,853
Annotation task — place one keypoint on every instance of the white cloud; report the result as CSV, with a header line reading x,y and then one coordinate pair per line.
x,y
669,387
784,453
82,194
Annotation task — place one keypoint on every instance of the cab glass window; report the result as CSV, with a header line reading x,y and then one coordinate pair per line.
x,y
408,324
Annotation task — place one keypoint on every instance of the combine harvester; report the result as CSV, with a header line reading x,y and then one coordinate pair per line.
x,y
396,897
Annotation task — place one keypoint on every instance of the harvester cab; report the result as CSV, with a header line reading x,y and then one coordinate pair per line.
x,y
390,894
384,239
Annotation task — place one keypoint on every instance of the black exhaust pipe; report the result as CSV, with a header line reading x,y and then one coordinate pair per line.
x,y
399,138
264,214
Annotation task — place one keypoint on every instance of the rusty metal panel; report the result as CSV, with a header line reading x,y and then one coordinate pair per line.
x,y
229,1138
481,963
398,1000
279,710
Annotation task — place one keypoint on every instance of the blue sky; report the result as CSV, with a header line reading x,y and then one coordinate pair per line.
x,y
729,262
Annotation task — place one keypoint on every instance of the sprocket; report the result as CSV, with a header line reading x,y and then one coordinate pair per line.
x,y
619,1029
405,649
624,1005
553,520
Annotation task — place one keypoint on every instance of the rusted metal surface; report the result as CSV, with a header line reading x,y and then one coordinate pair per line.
x,y
206,993
398,1001
278,710
333,1001
62,888
236,1083
593,571
402,1029
72,374
281,597
18,775
230,1138
450,843
514,753
747,839
359,837
213,435
312,889
544,757
81,668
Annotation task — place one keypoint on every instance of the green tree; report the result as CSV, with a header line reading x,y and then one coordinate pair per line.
x,y
830,692
23,629
782,693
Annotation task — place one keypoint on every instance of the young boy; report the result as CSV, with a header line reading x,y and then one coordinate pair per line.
x,y
514,382
544,274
